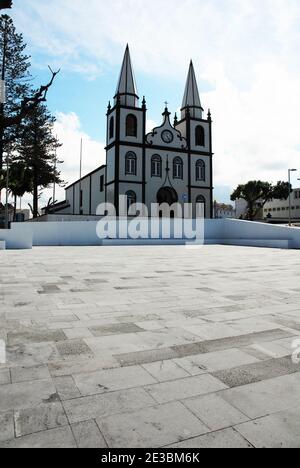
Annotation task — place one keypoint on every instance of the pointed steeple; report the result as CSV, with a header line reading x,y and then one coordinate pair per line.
x,y
126,89
191,98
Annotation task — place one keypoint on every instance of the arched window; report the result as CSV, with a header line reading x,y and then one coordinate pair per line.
x,y
111,128
130,163
200,200
131,199
200,170
177,168
131,125
156,166
200,136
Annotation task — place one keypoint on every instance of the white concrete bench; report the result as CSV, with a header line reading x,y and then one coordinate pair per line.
x,y
2,245
267,243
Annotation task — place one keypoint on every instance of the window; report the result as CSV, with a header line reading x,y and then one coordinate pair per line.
x,y
111,128
200,200
102,183
131,199
81,198
200,136
130,163
177,168
156,166
200,170
131,125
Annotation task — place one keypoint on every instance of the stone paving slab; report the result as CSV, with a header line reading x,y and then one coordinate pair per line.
x,y
151,427
227,439
149,346
280,430
54,438
257,372
88,435
39,418
98,406
215,412
266,397
185,388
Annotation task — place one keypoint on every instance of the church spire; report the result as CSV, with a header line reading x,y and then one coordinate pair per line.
x,y
126,89
191,98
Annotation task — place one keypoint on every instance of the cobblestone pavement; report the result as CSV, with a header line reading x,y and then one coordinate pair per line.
x,y
150,347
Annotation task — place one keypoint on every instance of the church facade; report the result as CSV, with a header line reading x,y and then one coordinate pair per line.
x,y
173,163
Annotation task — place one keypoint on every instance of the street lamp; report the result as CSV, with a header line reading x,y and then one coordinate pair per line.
x,y
290,208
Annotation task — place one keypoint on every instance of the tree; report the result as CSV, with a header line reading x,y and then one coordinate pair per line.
x,y
37,150
257,193
15,74
19,182
21,99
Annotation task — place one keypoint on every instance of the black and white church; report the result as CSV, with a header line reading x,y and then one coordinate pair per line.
x,y
173,163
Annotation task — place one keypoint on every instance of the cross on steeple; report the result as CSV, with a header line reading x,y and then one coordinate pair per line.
x,y
166,103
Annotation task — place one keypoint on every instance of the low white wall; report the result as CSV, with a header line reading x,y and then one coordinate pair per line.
x,y
236,229
85,233
219,231
18,237
68,234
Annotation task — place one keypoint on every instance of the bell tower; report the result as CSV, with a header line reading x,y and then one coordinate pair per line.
x,y
126,129
198,132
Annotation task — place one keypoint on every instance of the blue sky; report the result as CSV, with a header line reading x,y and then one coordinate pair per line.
x,y
245,54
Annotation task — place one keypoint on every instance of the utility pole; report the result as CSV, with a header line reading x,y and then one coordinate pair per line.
x,y
290,202
7,187
54,182
4,26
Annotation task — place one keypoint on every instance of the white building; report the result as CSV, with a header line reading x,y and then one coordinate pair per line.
x,y
279,209
173,163
241,209
223,211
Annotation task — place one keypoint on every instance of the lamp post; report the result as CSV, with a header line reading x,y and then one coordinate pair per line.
x,y
290,208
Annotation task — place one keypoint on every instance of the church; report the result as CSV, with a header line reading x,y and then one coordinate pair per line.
x,y
171,164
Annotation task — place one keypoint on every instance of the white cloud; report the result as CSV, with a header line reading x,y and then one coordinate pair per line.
x,y
245,51
69,132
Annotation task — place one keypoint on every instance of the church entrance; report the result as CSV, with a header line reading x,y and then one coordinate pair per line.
x,y
167,195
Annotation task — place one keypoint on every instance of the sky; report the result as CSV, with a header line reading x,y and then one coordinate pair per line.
x,y
246,58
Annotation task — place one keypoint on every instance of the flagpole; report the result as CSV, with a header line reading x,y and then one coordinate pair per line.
x,y
80,174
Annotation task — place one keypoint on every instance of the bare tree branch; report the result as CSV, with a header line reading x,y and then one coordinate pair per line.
x,y
28,104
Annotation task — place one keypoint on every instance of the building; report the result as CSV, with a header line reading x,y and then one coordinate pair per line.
x,y
279,209
173,163
222,210
21,215
241,209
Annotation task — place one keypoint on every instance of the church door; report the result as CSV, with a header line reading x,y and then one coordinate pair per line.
x,y
167,195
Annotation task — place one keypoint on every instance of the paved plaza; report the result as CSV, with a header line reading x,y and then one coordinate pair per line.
x,y
150,347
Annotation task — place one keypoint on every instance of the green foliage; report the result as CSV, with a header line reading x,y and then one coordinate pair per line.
x,y
37,151
15,65
257,193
